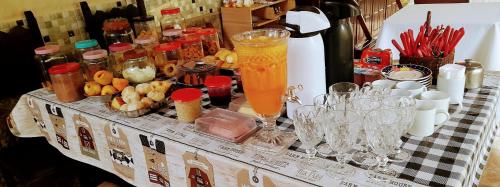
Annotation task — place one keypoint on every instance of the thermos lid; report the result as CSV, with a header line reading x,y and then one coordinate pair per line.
x,y
471,64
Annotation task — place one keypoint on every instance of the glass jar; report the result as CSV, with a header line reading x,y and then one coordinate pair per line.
x,y
117,30
94,61
138,68
191,32
210,40
171,35
191,49
116,57
67,80
145,27
147,43
171,19
167,58
84,46
194,75
48,56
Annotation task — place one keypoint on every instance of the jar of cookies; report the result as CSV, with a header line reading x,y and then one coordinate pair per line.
x,y
171,35
210,40
116,57
167,58
191,49
171,18
48,56
67,80
94,61
187,103
117,30
138,68
147,43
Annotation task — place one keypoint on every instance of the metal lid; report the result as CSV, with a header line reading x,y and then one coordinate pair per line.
x,y
471,64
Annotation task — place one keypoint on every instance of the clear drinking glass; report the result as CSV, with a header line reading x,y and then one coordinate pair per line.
x,y
407,108
363,106
382,135
344,92
262,55
324,101
309,130
341,136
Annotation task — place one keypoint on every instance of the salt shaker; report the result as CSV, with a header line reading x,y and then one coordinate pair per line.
x,y
451,79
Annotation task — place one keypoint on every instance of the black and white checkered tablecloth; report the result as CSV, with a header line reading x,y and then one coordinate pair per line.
x,y
451,156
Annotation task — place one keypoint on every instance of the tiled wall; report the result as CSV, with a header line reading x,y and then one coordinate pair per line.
x,y
66,27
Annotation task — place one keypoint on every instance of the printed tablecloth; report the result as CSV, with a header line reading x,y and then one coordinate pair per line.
x,y
157,150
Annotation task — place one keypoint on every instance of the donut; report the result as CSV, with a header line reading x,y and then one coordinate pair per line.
x,y
170,70
131,97
128,89
143,88
156,95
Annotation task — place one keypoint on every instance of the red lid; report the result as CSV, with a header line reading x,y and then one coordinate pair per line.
x,y
186,94
64,68
189,40
132,54
191,30
167,46
118,47
207,31
218,81
47,49
95,54
170,11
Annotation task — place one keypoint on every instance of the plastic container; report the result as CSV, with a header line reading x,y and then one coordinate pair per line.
x,y
48,56
195,75
171,35
117,30
187,103
94,61
138,68
145,27
84,46
148,43
167,58
171,18
210,40
192,49
116,57
226,125
67,80
219,90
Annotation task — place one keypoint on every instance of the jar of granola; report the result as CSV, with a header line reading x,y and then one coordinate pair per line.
x,y
192,48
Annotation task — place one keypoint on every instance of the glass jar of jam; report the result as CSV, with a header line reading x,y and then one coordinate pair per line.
x,y
187,103
48,56
191,48
84,46
171,35
67,80
138,68
94,61
167,58
210,40
219,90
117,30
171,18
116,57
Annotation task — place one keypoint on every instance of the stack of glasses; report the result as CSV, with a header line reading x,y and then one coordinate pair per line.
x,y
359,125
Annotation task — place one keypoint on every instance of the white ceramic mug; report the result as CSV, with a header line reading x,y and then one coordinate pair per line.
x,y
423,124
384,83
414,87
441,100
400,93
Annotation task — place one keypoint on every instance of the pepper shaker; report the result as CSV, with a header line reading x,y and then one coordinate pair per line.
x,y
474,74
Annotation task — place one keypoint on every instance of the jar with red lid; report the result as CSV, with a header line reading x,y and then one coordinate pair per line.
x,y
210,40
167,58
219,90
171,35
191,49
187,103
138,68
148,43
171,18
94,61
67,81
48,56
116,57
117,30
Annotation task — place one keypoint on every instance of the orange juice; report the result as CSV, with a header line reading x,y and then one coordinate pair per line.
x,y
263,73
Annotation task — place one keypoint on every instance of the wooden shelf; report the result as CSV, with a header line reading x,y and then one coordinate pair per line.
x,y
258,5
263,22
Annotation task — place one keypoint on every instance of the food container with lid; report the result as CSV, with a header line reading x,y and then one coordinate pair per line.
x,y
226,125
191,48
94,61
187,103
171,18
67,81
145,27
138,68
171,35
147,43
194,75
84,46
117,30
474,74
167,58
48,56
116,57
210,40
219,90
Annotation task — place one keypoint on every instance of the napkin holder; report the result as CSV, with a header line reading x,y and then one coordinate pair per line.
x,y
432,63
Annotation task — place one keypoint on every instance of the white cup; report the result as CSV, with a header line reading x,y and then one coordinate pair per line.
x,y
423,124
400,93
384,83
441,100
414,87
